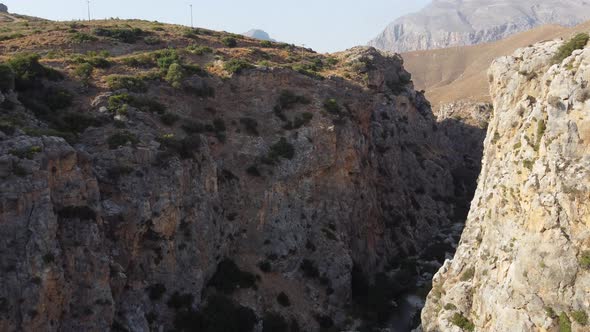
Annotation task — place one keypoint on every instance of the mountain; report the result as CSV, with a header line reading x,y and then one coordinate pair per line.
x,y
445,23
156,177
460,73
523,263
258,34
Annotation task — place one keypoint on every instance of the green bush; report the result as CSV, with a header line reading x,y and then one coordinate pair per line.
x,y
288,99
229,277
140,61
79,37
462,322
28,71
581,317
7,77
468,274
84,72
121,138
129,36
131,83
578,42
585,260
331,106
199,50
565,324
175,75
236,66
151,40
165,58
265,43
229,41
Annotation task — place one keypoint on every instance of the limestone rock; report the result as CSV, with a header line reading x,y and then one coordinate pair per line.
x,y
522,260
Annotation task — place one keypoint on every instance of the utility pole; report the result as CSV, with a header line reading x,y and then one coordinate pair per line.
x,y
191,5
88,2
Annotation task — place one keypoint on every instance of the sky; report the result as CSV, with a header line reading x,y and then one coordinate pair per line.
x,y
324,25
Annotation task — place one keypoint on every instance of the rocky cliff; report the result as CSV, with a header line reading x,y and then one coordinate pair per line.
x,y
445,23
191,179
523,263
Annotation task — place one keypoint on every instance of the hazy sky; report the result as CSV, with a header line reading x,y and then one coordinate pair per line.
x,y
324,25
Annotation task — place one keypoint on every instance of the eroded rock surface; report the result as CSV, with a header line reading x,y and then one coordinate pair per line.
x,y
523,263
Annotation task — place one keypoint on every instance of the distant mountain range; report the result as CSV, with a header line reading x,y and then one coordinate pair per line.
x,y
445,23
258,34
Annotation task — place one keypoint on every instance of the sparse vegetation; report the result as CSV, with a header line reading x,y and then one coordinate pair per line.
x,y
581,317
199,50
7,77
236,66
228,277
229,41
468,274
585,260
281,149
28,71
565,324
129,36
175,75
331,106
578,42
131,83
169,119
461,321
122,138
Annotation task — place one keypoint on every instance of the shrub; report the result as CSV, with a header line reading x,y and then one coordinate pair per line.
x,y
581,317
220,314
253,171
28,70
175,75
565,324
7,77
462,322
468,274
129,36
185,148
84,72
281,149
331,106
265,266
585,260
450,306
251,125
578,42
121,138
283,299
139,61
178,301
77,212
236,66
156,291
229,277
131,83
273,322
165,58
79,37
199,50
309,269
229,41
288,99
169,119
151,40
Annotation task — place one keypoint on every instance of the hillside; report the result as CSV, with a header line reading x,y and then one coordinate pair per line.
x,y
156,177
446,23
459,73
523,263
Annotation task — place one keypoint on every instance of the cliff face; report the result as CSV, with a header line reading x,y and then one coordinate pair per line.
x,y
287,193
524,258
445,23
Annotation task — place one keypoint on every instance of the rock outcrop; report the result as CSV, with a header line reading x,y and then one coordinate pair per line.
x,y
523,263
445,23
291,195
3,8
